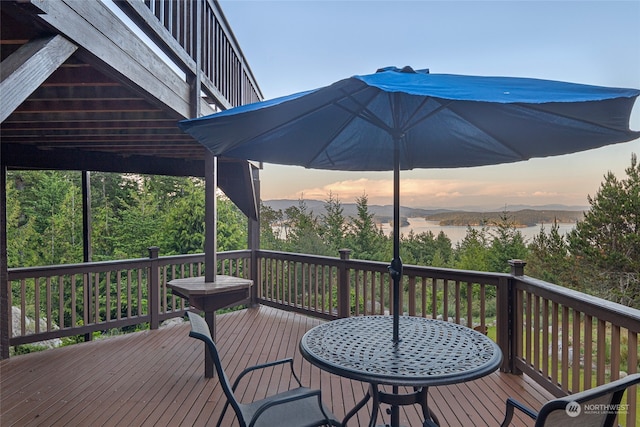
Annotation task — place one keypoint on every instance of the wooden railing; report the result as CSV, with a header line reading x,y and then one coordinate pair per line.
x,y
569,341
565,340
79,299
197,37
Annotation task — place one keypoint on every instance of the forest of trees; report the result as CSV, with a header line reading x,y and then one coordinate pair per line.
x,y
130,213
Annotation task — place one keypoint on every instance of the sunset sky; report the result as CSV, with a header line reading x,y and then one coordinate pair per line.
x,y
293,46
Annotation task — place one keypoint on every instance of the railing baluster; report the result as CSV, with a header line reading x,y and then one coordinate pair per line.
x,y
602,349
457,301
140,292
107,295
555,330
575,347
536,332
545,337
61,302
119,295
23,307
37,304
129,293
588,351
73,301
97,298
565,346
615,352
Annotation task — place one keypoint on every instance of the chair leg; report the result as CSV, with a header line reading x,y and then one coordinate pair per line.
x,y
508,415
224,410
514,404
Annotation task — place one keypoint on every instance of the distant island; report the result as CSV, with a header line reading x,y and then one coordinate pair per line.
x,y
521,218
521,215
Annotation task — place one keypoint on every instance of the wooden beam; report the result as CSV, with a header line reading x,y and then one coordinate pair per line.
x,y
27,68
20,156
116,50
210,217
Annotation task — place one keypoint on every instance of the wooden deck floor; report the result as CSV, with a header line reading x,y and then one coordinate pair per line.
x,y
155,378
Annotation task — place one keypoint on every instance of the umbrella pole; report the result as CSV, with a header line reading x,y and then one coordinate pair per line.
x,y
395,269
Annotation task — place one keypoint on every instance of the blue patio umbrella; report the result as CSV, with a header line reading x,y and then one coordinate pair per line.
x,y
400,119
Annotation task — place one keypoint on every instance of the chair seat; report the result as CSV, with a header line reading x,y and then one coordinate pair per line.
x,y
296,407
288,414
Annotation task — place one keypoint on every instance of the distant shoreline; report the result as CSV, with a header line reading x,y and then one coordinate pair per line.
x,y
520,219
521,216
456,233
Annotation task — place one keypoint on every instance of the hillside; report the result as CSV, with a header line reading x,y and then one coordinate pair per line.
x,y
524,216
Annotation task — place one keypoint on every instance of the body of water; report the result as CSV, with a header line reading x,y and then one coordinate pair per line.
x,y
457,233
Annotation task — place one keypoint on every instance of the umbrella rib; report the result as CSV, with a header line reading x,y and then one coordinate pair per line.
x,y
354,114
498,140
565,116
364,113
422,119
431,113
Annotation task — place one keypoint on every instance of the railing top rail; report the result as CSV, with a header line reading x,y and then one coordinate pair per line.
x,y
617,314
318,259
102,266
80,268
410,270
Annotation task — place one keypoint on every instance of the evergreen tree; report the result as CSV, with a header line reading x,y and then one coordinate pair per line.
x,y
22,238
303,231
231,226
426,249
549,258
111,194
607,240
271,220
364,237
65,229
137,223
506,243
333,224
183,223
472,253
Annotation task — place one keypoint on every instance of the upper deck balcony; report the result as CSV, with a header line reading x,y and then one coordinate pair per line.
x,y
101,85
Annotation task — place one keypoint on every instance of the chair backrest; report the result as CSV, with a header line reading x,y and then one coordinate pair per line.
x,y
598,406
200,330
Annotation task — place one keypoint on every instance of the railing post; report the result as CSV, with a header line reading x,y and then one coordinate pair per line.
x,y
254,238
517,267
5,286
344,287
503,319
154,289
517,270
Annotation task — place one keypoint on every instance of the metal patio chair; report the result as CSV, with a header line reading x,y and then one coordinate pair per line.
x,y
297,407
598,406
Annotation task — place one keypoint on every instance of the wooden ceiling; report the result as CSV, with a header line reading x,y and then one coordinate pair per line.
x,y
82,112
106,103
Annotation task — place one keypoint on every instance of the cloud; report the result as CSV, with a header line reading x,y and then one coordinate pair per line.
x,y
442,192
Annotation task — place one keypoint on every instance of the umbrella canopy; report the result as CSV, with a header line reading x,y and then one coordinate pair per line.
x,y
440,120
403,119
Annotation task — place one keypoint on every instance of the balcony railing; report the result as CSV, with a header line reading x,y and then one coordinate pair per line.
x,y
565,340
197,37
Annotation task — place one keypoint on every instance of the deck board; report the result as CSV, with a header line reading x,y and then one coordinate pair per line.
x,y
156,378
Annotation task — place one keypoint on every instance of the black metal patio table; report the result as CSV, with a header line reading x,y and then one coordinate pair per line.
x,y
430,353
